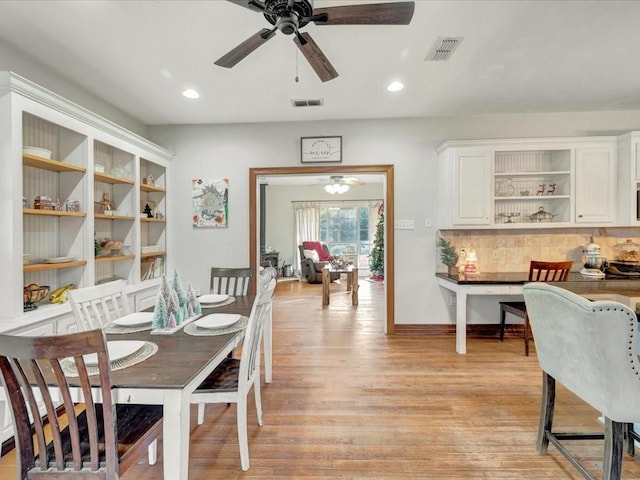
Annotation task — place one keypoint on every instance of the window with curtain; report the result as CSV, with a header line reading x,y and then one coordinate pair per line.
x,y
346,230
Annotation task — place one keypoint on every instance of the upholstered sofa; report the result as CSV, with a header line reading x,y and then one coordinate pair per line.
x,y
312,271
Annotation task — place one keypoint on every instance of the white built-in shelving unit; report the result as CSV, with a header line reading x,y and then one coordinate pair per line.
x,y
92,159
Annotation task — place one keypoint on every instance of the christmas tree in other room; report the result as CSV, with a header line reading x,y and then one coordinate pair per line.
x,y
377,253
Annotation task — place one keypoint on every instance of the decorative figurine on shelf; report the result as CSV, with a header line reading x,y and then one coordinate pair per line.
x,y
106,202
147,210
552,188
149,180
540,190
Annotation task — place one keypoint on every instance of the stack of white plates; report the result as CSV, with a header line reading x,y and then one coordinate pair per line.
x,y
37,151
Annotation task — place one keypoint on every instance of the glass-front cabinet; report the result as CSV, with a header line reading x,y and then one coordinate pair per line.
x,y
74,189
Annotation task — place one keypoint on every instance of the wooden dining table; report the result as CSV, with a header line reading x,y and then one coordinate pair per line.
x,y
169,377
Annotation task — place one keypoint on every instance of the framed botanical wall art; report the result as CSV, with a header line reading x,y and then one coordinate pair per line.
x,y
210,202
320,149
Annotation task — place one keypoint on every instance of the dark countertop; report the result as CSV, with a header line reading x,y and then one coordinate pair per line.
x,y
575,281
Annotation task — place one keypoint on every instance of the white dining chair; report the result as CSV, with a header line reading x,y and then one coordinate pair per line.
x,y
232,380
93,307
96,306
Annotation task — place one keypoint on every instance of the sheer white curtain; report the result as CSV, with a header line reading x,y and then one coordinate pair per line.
x,y
307,222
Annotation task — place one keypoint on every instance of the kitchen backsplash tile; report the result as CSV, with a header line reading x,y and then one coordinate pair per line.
x,y
512,250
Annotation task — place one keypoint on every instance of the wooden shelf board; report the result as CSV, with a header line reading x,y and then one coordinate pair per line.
x,y
151,188
106,178
153,254
102,216
51,165
152,220
114,258
39,267
54,213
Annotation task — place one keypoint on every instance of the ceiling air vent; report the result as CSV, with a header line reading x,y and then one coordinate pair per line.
x,y
443,48
308,103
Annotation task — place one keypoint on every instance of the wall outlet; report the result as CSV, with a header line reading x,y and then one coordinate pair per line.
x,y
427,223
404,225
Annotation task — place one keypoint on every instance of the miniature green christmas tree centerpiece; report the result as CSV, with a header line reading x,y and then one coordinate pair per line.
x,y
448,255
160,317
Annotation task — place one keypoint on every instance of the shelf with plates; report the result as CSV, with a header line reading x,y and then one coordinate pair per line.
x,y
43,163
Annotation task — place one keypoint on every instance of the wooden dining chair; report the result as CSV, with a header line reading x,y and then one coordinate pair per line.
x,y
232,380
57,438
538,272
94,307
230,281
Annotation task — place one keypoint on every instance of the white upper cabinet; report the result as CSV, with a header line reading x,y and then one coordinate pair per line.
x,y
69,178
527,183
465,178
595,177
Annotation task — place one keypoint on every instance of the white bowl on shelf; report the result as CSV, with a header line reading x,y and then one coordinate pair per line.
x,y
37,151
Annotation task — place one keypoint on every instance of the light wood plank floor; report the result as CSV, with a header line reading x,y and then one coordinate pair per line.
x,y
348,402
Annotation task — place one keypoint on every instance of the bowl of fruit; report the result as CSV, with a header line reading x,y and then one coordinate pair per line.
x,y
32,294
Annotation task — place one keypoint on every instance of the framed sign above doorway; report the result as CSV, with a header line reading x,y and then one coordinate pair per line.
x,y
321,150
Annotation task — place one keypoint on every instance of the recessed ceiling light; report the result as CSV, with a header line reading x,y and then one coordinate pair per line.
x,y
395,86
191,93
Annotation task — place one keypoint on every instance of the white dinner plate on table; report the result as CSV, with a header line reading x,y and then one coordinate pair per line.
x,y
212,298
135,319
218,320
118,349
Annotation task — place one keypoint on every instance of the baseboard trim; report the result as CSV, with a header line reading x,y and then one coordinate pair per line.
x,y
477,330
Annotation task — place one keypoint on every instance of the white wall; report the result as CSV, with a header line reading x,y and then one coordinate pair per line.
x,y
216,151
280,223
14,61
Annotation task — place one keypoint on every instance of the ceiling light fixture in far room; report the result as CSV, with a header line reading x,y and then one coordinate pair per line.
x,y
191,93
338,188
395,86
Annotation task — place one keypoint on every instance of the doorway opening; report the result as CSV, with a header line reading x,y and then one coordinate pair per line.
x,y
255,176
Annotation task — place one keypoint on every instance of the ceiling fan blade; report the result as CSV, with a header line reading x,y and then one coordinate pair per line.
x,y
245,48
353,181
397,13
254,5
315,57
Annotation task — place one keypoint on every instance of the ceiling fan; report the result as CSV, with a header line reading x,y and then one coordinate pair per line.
x,y
289,16
339,184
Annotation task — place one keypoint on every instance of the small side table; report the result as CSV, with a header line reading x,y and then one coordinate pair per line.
x,y
352,283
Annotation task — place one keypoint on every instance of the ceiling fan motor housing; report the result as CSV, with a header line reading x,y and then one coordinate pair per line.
x,y
278,13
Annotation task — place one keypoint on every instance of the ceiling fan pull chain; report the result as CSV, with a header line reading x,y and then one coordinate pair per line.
x,y
297,79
